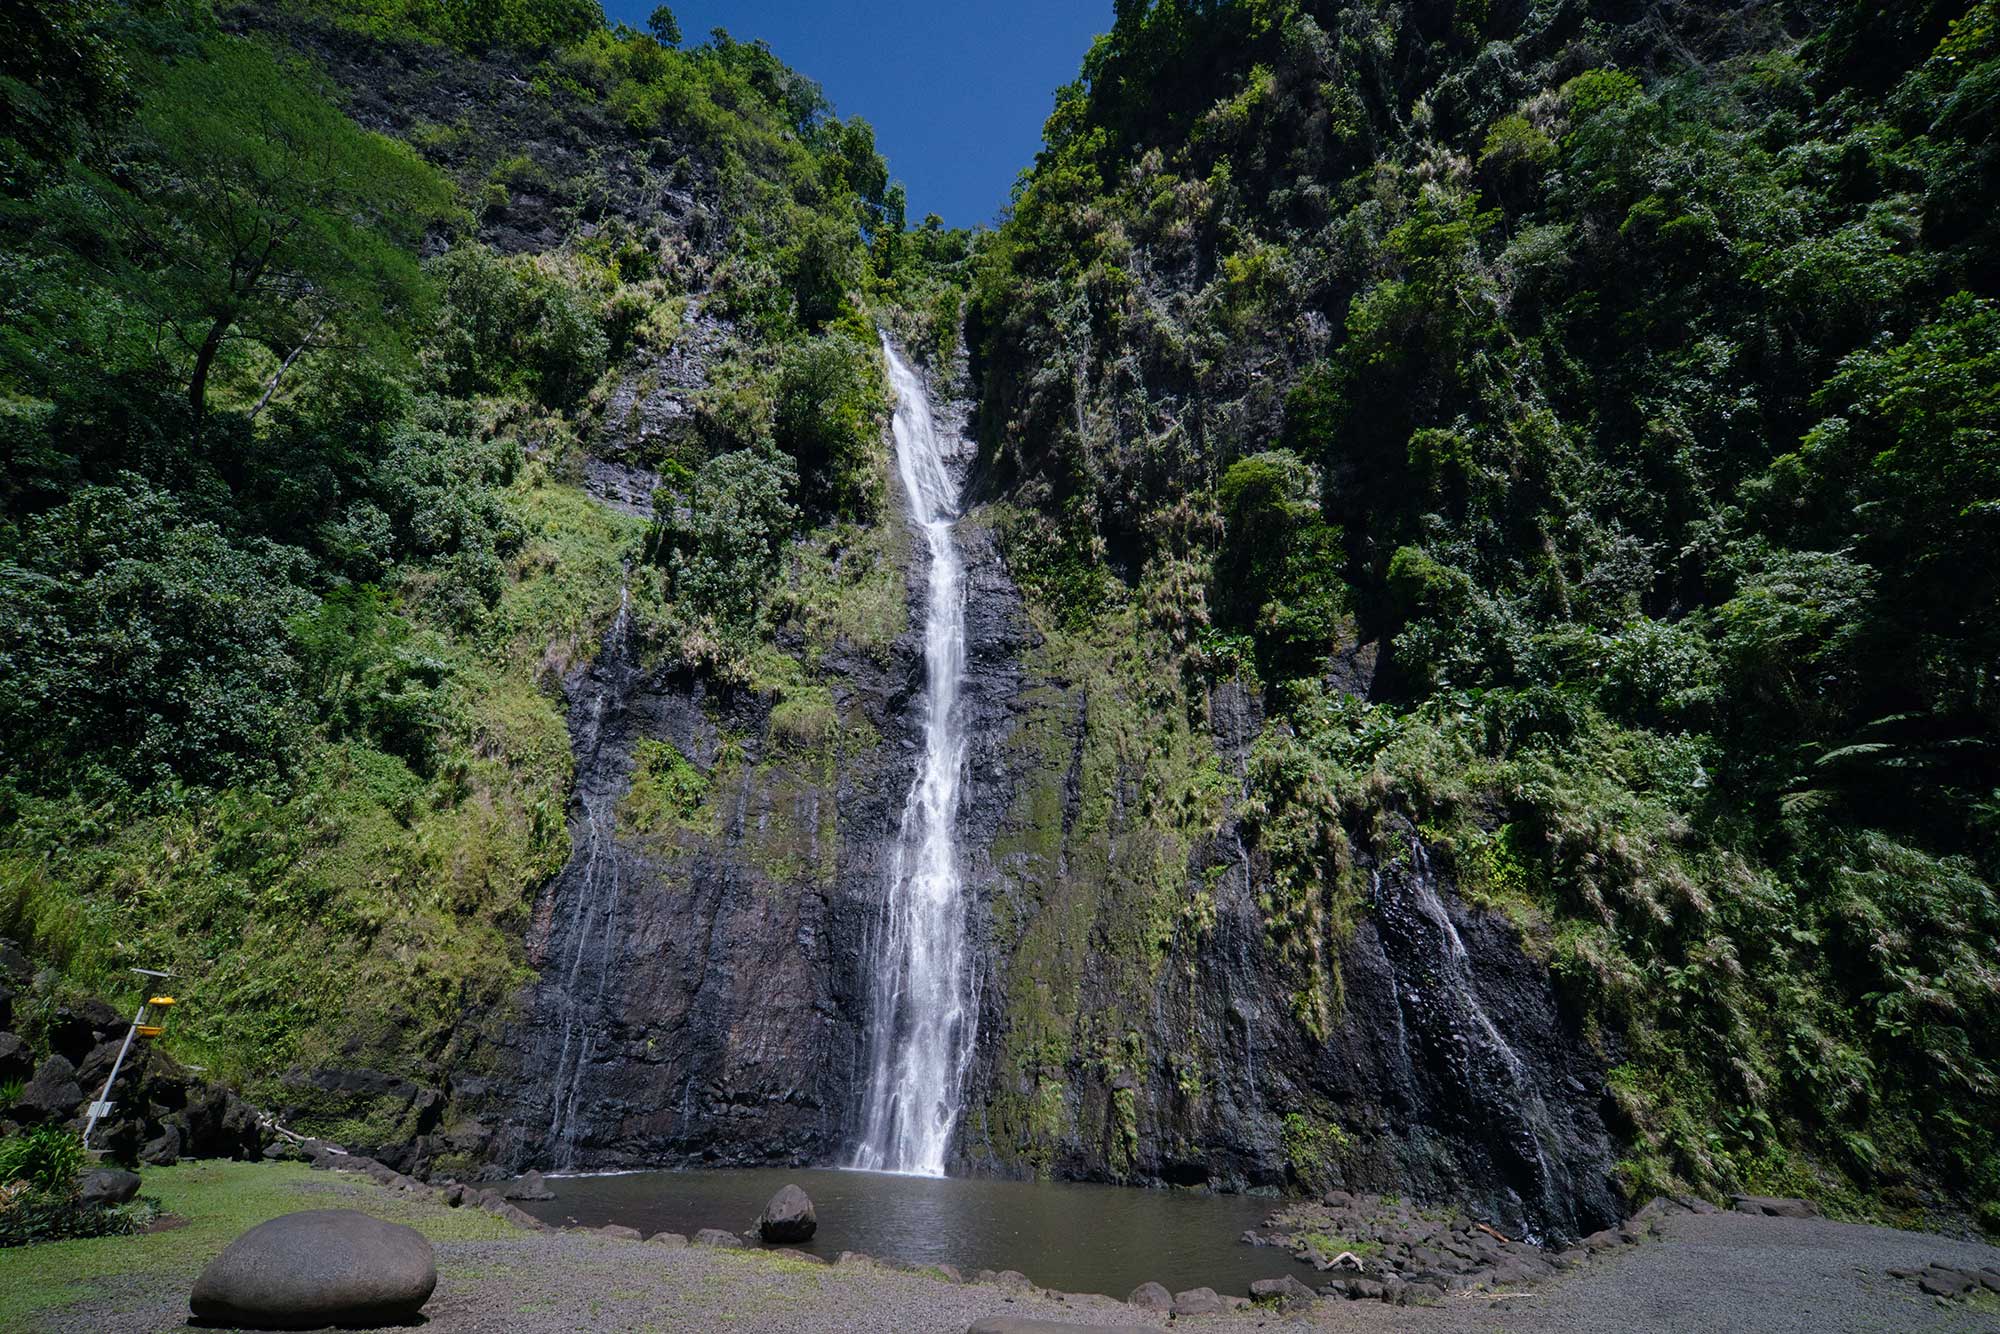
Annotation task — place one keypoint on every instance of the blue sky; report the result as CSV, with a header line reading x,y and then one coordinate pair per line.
x,y
957,92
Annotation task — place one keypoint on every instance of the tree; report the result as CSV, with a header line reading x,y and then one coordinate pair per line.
x,y
666,29
723,539
252,209
828,416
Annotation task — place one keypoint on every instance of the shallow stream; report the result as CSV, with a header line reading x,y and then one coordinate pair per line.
x,y
1071,1237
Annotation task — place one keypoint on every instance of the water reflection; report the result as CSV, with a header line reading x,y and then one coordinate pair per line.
x,y
1076,1238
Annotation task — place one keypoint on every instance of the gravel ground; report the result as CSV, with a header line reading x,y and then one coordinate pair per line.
x,y
1715,1274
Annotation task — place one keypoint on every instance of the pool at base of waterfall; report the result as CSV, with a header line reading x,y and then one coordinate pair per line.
x,y
1065,1236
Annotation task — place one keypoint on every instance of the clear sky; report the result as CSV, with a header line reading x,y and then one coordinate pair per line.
x,y
957,92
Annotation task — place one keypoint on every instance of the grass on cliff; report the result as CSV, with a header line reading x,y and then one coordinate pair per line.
x,y
210,1204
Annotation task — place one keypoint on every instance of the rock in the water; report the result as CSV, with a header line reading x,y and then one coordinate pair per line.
x,y
1198,1301
1151,1297
53,1094
529,1187
710,1236
319,1268
788,1217
108,1185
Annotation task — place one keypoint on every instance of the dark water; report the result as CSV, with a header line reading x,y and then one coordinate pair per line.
x,y
1075,1238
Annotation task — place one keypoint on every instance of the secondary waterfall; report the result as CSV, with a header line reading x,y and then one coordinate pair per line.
x,y
922,1021
591,885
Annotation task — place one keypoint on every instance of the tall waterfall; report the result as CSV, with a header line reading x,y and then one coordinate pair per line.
x,y
923,1018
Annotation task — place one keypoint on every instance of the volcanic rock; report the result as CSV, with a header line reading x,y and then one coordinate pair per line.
x,y
529,1187
788,1218
108,1186
319,1268
53,1094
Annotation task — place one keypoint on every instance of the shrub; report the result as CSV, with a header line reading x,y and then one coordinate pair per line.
x,y
48,1159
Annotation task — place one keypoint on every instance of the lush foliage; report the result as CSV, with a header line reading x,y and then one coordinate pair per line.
x,y
1610,405
292,555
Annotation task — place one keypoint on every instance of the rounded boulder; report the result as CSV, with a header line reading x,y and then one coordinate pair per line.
x,y
315,1269
788,1217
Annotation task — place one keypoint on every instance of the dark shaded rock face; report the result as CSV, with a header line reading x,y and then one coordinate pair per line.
x,y
315,1269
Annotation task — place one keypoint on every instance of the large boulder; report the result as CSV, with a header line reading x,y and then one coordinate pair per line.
x,y
1152,1297
310,1270
529,1187
53,1094
108,1186
788,1217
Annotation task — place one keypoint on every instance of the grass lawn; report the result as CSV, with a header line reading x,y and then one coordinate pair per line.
x,y
214,1202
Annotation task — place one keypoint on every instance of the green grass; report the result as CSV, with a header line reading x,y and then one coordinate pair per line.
x,y
219,1202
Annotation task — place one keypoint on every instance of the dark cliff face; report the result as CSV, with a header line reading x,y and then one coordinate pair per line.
x,y
703,975
1139,1025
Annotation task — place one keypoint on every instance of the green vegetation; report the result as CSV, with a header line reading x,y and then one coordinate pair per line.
x,y
1617,415
293,559
40,1172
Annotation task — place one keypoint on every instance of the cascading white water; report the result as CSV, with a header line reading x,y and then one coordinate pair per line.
x,y
923,1019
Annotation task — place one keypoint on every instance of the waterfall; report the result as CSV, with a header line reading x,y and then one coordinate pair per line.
x,y
1446,1029
922,1021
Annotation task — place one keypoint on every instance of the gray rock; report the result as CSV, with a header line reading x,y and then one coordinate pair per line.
x,y
529,1187
1151,1297
619,1232
672,1240
323,1267
1770,1206
788,1218
1198,1301
1940,1281
1285,1291
53,1094
108,1185
710,1236
164,1149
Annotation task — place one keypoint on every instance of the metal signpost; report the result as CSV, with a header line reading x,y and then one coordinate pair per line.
x,y
139,1029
